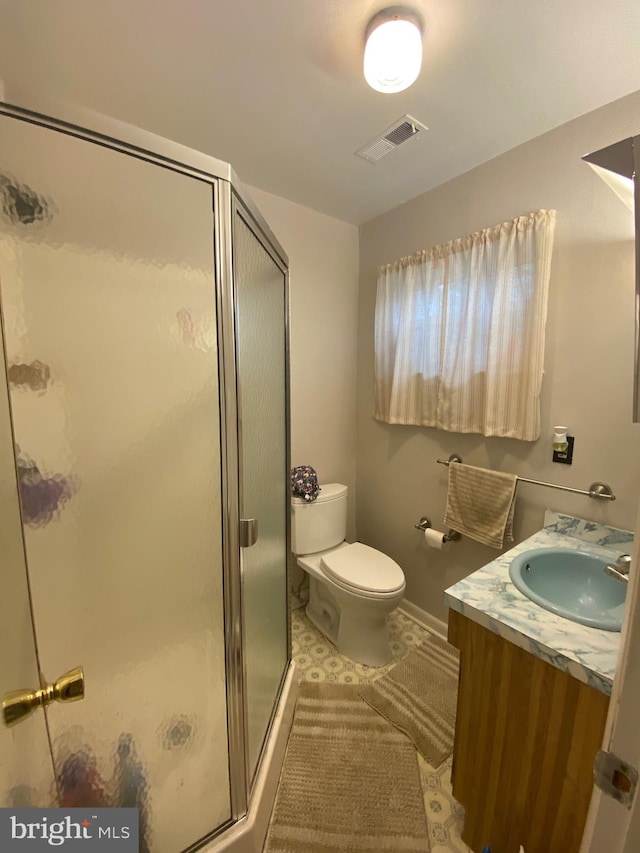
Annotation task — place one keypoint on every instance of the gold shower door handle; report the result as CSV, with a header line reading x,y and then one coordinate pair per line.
x,y
17,705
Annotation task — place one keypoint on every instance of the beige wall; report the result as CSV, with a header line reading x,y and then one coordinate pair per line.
x,y
323,257
588,364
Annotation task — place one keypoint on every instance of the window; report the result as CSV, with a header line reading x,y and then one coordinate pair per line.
x,y
459,332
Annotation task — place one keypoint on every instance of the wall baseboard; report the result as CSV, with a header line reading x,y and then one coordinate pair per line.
x,y
422,617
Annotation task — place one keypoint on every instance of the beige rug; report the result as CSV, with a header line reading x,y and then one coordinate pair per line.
x,y
350,781
418,696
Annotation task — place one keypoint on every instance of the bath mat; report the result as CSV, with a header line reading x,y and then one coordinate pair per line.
x,y
349,782
418,696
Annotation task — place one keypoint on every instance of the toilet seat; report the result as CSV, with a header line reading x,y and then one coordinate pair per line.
x,y
363,571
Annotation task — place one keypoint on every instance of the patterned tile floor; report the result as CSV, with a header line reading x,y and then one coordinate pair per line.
x,y
317,659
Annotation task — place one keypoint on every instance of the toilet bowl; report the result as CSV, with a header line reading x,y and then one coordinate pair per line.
x,y
352,587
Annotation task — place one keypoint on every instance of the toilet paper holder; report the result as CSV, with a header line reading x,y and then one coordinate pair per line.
x,y
449,536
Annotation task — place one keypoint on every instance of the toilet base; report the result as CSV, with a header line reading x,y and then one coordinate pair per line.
x,y
358,630
364,637
324,615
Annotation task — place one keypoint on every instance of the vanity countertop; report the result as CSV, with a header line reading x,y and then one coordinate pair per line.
x,y
489,598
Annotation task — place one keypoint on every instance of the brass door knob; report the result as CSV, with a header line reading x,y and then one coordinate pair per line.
x,y
17,705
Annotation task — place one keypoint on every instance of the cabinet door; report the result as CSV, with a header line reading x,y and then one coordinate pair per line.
x,y
26,768
526,738
108,291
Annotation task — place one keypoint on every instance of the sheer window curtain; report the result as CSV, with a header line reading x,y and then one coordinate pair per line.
x,y
459,332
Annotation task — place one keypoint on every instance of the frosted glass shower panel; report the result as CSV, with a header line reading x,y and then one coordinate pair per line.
x,y
109,307
260,302
26,769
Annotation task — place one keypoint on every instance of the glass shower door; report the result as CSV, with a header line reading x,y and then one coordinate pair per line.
x,y
108,294
261,339
26,769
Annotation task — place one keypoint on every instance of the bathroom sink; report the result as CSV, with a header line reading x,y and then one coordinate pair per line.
x,y
572,584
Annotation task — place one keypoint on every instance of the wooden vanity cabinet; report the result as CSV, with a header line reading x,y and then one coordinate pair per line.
x,y
526,737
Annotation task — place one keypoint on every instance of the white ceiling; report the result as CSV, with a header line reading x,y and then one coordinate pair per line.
x,y
275,87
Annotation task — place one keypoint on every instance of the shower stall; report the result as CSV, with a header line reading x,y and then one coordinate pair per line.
x,y
144,525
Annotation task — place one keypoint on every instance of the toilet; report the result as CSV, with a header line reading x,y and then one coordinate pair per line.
x,y
352,587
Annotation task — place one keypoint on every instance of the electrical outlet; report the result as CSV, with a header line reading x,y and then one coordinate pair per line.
x,y
566,457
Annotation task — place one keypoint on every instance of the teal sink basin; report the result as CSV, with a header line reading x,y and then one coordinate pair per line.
x,y
572,584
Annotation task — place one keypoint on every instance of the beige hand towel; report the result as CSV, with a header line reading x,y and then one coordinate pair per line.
x,y
480,504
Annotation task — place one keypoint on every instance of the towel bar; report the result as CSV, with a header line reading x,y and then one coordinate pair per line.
x,y
599,491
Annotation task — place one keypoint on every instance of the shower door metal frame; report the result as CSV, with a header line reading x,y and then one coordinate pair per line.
x,y
226,190
238,206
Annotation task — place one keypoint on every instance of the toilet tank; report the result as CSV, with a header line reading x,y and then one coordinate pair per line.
x,y
320,524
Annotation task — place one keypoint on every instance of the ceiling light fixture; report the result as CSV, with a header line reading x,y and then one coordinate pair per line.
x,y
393,52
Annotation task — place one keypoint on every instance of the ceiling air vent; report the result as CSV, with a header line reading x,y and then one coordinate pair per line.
x,y
405,128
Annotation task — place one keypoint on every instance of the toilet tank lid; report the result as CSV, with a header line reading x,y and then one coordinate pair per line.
x,y
328,492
